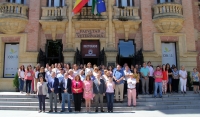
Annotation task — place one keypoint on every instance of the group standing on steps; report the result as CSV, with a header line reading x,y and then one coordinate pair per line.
x,y
94,84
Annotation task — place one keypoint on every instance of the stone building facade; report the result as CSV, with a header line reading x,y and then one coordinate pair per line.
x,y
47,32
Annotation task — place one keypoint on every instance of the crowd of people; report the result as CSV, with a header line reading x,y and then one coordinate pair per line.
x,y
92,84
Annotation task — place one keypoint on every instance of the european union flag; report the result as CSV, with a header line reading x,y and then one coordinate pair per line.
x,y
101,6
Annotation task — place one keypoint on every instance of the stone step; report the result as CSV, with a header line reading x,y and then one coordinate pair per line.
x,y
124,104
126,109
18,95
149,99
141,96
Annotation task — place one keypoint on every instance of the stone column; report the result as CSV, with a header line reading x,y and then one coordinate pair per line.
x,y
69,36
110,25
69,51
111,52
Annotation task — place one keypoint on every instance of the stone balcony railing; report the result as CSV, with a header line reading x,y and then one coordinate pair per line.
x,y
86,14
54,13
168,10
168,17
13,18
13,10
126,13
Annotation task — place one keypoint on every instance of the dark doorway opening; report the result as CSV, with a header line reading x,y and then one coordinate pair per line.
x,y
54,51
129,61
93,61
127,53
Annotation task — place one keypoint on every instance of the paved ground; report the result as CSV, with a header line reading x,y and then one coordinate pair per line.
x,y
167,113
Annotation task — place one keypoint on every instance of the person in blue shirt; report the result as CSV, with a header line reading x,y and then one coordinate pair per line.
x,y
145,78
53,90
118,76
60,77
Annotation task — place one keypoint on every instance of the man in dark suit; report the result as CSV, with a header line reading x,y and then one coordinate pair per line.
x,y
66,92
53,83
99,89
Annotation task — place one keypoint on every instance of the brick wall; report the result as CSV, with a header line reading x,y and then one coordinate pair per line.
x,y
33,26
148,27
188,27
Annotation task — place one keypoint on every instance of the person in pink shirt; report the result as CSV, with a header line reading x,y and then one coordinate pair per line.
x,y
77,90
158,74
88,92
29,76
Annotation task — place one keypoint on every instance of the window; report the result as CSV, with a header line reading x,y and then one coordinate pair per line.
x,y
124,46
17,1
163,1
55,3
89,3
124,3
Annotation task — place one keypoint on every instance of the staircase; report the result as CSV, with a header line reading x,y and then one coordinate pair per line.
x,y
17,101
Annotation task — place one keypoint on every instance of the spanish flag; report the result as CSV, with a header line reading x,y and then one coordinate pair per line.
x,y
79,4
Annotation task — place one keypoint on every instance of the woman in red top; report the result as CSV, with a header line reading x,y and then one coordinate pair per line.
x,y
165,79
29,75
77,90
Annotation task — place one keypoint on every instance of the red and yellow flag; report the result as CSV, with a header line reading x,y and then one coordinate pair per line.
x,y
79,4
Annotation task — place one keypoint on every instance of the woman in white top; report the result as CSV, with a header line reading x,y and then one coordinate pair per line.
x,y
95,72
110,86
105,77
42,92
21,72
131,90
36,79
183,79
75,70
81,73
89,68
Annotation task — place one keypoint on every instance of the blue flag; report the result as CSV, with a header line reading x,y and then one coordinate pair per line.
x,y
101,6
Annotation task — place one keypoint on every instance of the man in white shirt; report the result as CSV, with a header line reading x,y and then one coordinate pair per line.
x,y
151,78
76,70
126,74
48,74
183,79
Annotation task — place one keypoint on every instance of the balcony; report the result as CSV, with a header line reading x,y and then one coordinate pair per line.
x,y
126,13
127,18
13,18
168,17
87,15
54,20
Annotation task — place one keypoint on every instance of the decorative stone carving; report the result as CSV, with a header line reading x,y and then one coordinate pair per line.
x,y
53,27
169,25
126,18
54,20
126,26
168,17
91,24
13,18
12,25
